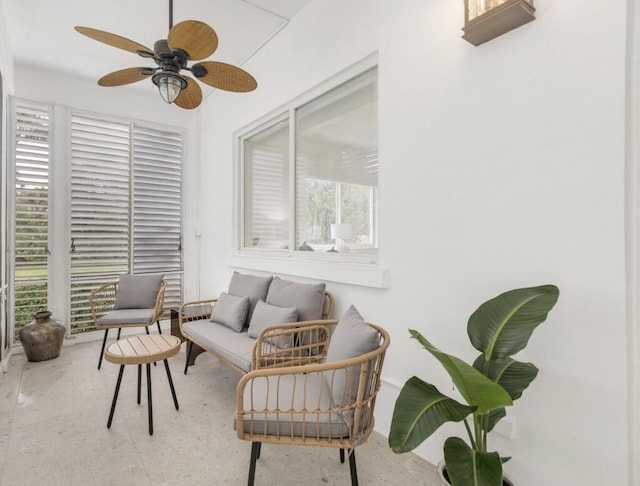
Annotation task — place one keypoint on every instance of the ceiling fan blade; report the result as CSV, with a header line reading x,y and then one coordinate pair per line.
x,y
224,76
195,38
124,76
191,96
115,41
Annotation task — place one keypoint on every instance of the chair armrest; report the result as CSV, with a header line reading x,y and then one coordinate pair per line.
x,y
195,310
102,300
159,307
292,344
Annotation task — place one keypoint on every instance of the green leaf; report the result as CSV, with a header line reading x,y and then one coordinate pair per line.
x,y
467,467
503,325
477,389
514,376
420,409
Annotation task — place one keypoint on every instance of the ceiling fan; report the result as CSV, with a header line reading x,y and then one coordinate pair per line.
x,y
190,40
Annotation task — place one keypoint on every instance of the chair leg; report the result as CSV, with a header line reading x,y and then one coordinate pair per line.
x,y
341,456
189,348
259,449
159,330
146,328
104,342
352,467
115,396
119,331
255,453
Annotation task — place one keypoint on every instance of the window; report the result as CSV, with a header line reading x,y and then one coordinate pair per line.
x,y
328,209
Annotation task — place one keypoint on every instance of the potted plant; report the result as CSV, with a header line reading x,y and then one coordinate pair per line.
x,y
499,328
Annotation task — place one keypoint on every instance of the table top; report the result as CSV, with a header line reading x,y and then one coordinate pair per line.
x,y
141,349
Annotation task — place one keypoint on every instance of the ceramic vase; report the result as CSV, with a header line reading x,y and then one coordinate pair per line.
x,y
42,339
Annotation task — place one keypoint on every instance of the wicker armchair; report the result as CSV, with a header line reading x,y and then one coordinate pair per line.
x,y
107,314
284,400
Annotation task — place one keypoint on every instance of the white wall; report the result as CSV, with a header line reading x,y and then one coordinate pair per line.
x,y
506,163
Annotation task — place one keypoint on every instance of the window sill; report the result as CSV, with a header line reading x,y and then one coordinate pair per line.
x,y
363,274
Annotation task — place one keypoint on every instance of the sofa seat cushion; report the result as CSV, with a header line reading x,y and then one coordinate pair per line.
x,y
308,393
124,317
235,347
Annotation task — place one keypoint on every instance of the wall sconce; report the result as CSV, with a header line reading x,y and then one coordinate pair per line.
x,y
487,19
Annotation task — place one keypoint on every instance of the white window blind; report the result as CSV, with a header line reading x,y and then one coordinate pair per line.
x,y
266,168
157,201
30,236
126,207
100,161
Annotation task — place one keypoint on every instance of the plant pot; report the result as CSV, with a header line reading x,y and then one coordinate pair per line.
x,y
42,339
442,473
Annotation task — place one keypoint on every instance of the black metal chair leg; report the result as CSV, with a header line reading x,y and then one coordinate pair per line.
x,y
352,467
115,396
149,399
104,342
173,390
119,331
341,456
255,453
139,380
159,330
259,450
189,348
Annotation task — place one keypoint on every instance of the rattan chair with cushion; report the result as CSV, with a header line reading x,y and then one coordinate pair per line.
x,y
327,402
132,301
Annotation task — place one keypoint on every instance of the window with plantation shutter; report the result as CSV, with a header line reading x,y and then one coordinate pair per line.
x,y
100,224
31,155
157,206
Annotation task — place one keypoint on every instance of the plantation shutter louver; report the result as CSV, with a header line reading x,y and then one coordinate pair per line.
x,y
157,206
100,192
32,161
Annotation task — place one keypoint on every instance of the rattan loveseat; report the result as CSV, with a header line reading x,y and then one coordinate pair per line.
x,y
293,315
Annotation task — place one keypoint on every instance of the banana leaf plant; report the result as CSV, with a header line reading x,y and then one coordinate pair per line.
x,y
499,328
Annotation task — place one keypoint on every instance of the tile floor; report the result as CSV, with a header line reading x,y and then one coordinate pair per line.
x,y
53,431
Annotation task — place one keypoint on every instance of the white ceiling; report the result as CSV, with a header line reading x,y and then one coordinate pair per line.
x,y
42,35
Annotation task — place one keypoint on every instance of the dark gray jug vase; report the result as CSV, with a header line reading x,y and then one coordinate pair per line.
x,y
42,339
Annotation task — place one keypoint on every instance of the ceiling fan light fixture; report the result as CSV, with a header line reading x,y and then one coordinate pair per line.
x,y
169,86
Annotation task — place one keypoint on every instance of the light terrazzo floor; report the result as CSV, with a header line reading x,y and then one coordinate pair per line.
x,y
53,431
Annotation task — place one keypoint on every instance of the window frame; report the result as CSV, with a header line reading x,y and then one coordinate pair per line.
x,y
346,268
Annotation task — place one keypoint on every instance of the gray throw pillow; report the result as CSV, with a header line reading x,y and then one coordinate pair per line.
x,y
351,338
252,286
266,314
230,311
308,298
137,291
